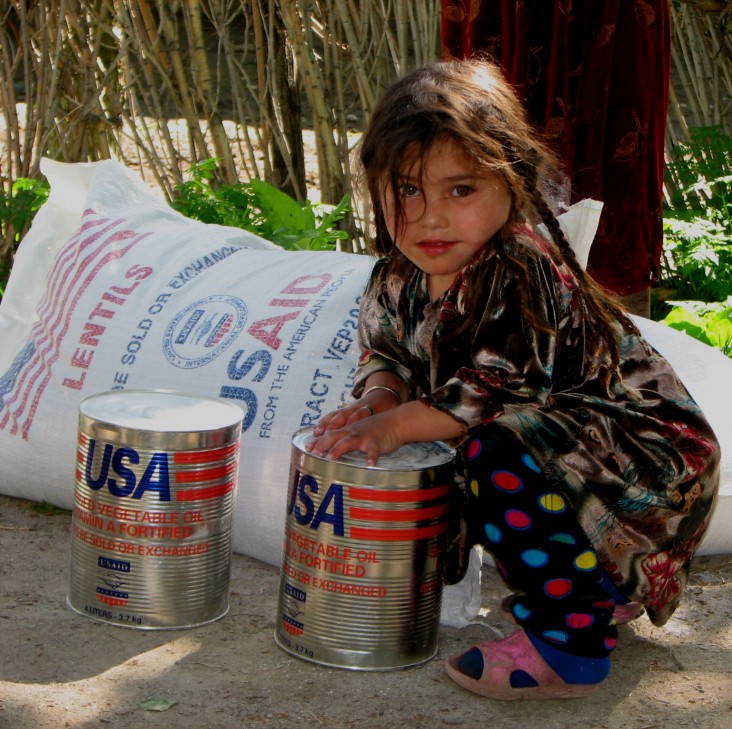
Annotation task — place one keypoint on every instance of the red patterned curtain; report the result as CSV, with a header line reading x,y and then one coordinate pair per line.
x,y
594,74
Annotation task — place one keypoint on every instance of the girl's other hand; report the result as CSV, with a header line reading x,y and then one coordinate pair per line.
x,y
384,431
378,400
356,430
336,433
343,416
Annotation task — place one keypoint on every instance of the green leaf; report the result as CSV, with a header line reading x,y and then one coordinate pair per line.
x,y
43,507
719,329
689,322
280,209
158,704
205,169
710,323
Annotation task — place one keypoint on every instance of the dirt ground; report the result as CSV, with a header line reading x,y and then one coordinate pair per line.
x,y
61,669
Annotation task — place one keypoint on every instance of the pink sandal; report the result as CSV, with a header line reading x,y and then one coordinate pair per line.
x,y
509,669
623,613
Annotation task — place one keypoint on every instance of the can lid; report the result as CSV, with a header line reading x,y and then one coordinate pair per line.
x,y
161,410
410,457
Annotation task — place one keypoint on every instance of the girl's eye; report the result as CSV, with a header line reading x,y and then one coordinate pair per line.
x,y
408,190
462,190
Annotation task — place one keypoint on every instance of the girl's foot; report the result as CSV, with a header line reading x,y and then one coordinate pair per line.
x,y
511,669
623,613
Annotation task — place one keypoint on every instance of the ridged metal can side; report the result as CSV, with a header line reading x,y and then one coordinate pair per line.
x,y
361,574
154,497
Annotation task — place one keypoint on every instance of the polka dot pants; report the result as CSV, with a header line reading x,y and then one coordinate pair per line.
x,y
538,546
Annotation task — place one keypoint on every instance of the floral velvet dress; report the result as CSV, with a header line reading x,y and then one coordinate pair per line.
x,y
626,445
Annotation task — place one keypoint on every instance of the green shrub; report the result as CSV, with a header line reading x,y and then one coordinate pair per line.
x,y
17,210
709,323
698,256
260,208
254,206
694,293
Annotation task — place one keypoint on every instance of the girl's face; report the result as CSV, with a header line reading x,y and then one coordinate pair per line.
x,y
450,212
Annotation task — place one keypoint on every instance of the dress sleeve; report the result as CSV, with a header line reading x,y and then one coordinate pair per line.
x,y
382,337
512,342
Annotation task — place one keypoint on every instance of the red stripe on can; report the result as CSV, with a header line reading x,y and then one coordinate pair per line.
x,y
211,492
430,512
396,497
398,535
205,456
205,474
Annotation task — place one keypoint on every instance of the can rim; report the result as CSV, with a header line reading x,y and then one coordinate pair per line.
x,y
140,422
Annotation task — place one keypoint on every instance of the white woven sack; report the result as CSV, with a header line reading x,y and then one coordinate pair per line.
x,y
100,292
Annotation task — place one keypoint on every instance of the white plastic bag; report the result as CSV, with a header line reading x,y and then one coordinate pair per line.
x,y
462,601
579,224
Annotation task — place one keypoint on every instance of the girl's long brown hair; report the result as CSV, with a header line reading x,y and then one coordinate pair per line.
x,y
470,104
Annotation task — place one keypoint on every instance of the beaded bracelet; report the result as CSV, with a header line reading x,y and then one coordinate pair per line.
x,y
383,387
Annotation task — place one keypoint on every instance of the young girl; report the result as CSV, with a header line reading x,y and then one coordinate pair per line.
x,y
592,473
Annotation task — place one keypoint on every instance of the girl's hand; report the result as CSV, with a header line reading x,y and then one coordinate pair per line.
x,y
376,401
361,431
335,432
342,417
382,432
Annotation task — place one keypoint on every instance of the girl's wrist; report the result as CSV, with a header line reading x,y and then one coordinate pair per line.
x,y
385,388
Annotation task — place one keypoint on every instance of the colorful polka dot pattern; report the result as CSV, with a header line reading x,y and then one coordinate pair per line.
x,y
539,548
